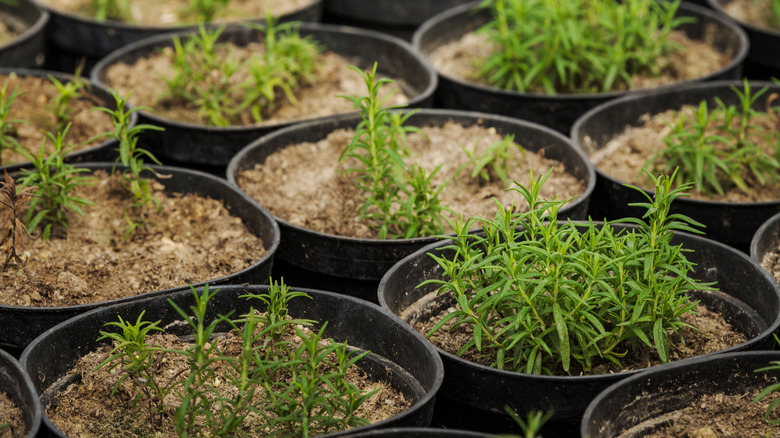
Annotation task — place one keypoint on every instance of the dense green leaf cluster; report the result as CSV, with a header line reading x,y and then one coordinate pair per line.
x,y
296,387
576,46
540,294
723,147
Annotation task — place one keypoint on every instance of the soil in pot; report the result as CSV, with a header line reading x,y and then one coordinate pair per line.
x,y
327,201
169,13
33,106
756,12
191,239
12,424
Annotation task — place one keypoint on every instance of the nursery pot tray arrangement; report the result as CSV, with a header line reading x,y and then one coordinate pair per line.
x,y
398,356
730,221
749,300
22,323
559,111
201,144
357,264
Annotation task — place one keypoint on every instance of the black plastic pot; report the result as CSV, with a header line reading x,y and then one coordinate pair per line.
x,y
644,401
22,324
17,386
355,266
215,146
558,111
28,50
417,432
75,38
763,60
399,355
99,95
766,239
396,17
733,223
473,396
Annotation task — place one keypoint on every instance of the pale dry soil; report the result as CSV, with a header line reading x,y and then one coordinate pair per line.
x,y
714,334
11,415
166,13
756,12
325,199
145,80
771,262
624,156
460,59
31,115
86,408
190,240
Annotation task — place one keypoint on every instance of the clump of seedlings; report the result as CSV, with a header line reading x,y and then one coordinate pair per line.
x,y
13,232
729,146
288,378
198,11
576,46
541,295
231,90
402,200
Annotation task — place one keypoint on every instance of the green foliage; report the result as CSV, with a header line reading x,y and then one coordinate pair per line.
x,y
66,92
773,19
103,10
495,161
401,199
209,76
12,230
724,147
531,425
132,157
55,180
203,11
541,295
7,126
296,387
576,46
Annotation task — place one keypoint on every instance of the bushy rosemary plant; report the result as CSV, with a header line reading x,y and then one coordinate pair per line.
x,y
541,295
55,180
576,46
225,87
297,387
723,147
12,205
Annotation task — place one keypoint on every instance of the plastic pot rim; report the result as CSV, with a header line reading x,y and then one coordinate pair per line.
x,y
593,112
270,252
35,29
27,386
164,39
772,327
738,58
762,230
717,5
485,117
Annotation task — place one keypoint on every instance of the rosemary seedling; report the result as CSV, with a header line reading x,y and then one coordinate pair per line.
x,y
541,295
576,46
55,181
495,161
12,230
66,92
7,126
203,11
724,147
118,10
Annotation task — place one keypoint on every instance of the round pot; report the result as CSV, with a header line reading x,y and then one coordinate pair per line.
x,y
75,38
763,61
215,146
644,401
17,386
402,357
766,239
733,223
558,111
474,396
99,95
396,17
355,265
28,50
23,324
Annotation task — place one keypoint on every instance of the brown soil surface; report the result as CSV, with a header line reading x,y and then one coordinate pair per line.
x,y
12,416
624,156
167,12
192,239
87,408
714,334
718,415
460,59
31,117
756,12
7,32
771,262
326,201
144,79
